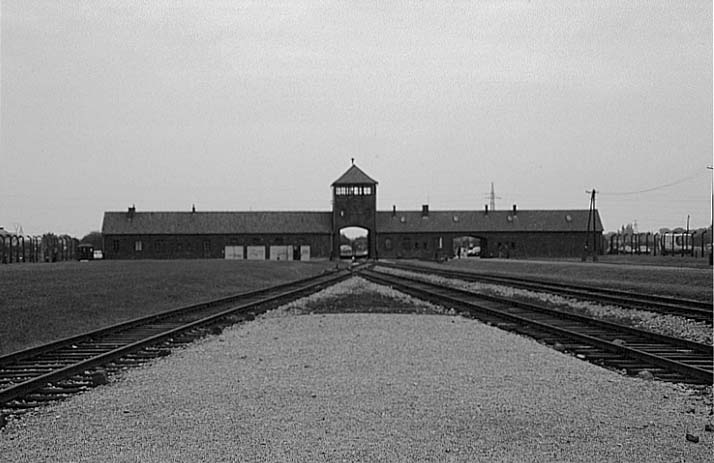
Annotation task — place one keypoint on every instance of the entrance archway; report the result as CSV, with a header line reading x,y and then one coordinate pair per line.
x,y
355,242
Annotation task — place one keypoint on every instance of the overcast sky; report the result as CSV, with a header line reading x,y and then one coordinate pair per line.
x,y
233,105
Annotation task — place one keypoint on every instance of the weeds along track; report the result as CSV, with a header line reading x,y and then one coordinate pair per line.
x,y
600,342
696,310
31,377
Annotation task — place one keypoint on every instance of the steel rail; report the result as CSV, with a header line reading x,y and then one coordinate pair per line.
x,y
455,297
700,310
68,341
18,390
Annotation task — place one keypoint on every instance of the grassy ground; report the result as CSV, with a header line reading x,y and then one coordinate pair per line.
x,y
624,273
40,303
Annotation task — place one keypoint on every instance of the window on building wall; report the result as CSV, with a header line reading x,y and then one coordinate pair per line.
x,y
388,243
441,242
367,190
406,244
206,246
138,246
115,245
513,245
426,245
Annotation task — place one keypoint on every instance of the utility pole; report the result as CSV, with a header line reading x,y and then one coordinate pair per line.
x,y
591,219
711,250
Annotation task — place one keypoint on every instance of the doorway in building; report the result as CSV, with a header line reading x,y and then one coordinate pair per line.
x,y
354,243
468,247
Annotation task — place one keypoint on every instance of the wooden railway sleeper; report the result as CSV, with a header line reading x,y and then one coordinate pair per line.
x,y
693,372
542,284
619,331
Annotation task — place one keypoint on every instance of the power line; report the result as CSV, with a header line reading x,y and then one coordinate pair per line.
x,y
647,190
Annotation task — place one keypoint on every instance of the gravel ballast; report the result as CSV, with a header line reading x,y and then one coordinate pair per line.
x,y
668,325
367,387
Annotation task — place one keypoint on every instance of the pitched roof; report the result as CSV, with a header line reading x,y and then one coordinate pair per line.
x,y
207,223
286,222
354,175
479,221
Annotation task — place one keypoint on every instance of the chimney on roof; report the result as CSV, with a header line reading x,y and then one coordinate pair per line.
x,y
131,211
485,209
514,210
425,210
193,208
394,210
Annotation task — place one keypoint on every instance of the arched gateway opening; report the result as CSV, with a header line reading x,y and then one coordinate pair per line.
x,y
354,243
354,212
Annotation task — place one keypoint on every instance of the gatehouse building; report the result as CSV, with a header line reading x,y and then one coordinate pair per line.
x,y
305,235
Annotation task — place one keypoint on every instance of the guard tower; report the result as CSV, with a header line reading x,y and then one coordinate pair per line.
x,y
354,204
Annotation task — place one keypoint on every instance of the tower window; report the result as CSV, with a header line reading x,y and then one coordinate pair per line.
x,y
353,190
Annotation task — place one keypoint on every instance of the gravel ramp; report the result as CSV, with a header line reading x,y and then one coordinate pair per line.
x,y
367,387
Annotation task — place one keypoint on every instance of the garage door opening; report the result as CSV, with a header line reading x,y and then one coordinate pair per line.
x,y
467,247
354,243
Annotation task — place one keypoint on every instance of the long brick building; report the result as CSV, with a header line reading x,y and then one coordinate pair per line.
x,y
296,235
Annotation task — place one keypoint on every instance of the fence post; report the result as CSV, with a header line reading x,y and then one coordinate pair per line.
x,y
691,246
632,247
704,236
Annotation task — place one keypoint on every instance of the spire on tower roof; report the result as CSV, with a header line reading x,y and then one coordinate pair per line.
x,y
354,176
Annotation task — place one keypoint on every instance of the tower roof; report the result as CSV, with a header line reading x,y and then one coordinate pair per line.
x,y
354,175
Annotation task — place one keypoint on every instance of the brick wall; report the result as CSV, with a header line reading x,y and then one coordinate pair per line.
x,y
205,246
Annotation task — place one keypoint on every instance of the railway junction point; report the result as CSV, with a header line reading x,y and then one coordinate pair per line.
x,y
367,387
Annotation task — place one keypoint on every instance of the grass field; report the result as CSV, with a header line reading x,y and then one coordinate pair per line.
x,y
40,303
675,278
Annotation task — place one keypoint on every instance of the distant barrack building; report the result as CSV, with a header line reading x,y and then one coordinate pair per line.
x,y
304,235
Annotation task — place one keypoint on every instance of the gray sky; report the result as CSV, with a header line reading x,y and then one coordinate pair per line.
x,y
237,105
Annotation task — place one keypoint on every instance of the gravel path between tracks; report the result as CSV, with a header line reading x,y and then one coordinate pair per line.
x,y
670,325
366,387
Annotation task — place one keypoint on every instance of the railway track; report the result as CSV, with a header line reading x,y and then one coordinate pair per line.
x,y
696,310
600,342
31,377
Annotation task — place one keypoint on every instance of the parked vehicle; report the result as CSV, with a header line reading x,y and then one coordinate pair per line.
x,y
474,251
345,251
